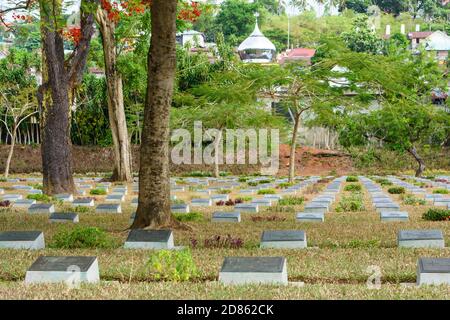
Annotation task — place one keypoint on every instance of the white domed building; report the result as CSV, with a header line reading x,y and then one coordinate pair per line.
x,y
257,48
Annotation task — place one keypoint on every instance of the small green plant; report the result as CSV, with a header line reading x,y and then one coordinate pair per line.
x,y
39,197
291,201
191,216
224,191
437,215
245,198
3,180
252,183
354,244
243,179
98,192
396,190
440,191
411,200
384,182
351,203
285,185
224,174
172,265
267,191
177,201
352,179
354,187
82,238
80,209
263,181
36,186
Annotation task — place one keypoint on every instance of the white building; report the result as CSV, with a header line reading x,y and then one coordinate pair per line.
x,y
257,48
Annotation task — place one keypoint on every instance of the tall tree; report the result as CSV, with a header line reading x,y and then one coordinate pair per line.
x,y
154,184
60,78
116,110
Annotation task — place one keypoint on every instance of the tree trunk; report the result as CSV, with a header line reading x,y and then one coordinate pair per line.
x,y
217,142
117,120
10,154
293,147
60,78
419,160
154,185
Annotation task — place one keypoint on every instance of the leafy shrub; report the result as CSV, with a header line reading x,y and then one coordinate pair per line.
x,y
243,179
291,201
224,191
81,238
440,191
267,191
172,265
224,174
220,242
263,181
98,192
5,204
3,180
39,197
267,218
244,199
352,179
177,201
413,201
396,190
351,203
191,216
354,187
437,215
252,183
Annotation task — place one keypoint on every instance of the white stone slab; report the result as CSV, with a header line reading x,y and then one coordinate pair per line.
x,y
420,239
31,240
288,239
149,239
253,270
433,271
310,217
71,270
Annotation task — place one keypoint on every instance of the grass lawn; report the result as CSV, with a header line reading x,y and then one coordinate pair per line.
x,y
334,266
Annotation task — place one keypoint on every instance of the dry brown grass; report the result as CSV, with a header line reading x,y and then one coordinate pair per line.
x,y
333,267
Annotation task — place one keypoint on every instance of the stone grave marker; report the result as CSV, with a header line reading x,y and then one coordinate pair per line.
x,y
68,269
12,197
254,208
201,202
292,239
83,202
64,197
226,217
421,239
149,239
41,208
254,270
310,217
179,208
433,271
115,198
23,203
108,208
394,216
64,217
32,240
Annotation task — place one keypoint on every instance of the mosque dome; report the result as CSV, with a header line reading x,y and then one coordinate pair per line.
x,y
257,48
